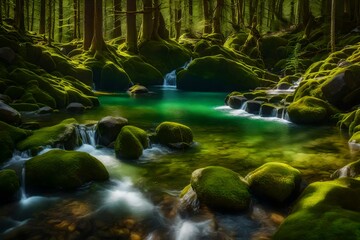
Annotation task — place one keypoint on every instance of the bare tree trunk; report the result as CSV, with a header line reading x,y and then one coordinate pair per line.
x,y
233,11
131,37
117,19
206,10
332,32
32,15
61,20
49,20
27,6
171,18
240,19
1,16
75,19
89,7
7,9
42,17
178,16
292,12
155,31
78,19
98,43
19,15
191,13
147,21
53,21
218,16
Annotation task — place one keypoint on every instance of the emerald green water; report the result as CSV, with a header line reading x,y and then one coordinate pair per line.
x,y
222,136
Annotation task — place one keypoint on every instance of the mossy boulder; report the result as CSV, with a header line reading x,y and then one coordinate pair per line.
x,y
275,182
25,107
131,142
14,92
268,110
9,185
173,134
310,110
355,138
41,96
235,102
108,128
325,210
9,114
220,188
350,170
137,89
9,136
63,170
60,135
112,79
216,73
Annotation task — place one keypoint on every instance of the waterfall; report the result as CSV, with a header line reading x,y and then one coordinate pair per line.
x,y
170,78
22,188
86,134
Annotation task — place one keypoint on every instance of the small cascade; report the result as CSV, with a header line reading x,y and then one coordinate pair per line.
x,y
170,78
22,189
277,91
86,134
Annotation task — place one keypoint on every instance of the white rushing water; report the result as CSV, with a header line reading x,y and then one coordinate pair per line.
x,y
170,78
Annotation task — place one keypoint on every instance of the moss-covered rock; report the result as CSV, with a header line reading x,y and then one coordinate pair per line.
x,y
113,79
9,136
310,110
216,73
63,170
235,102
268,110
130,142
220,188
15,92
60,135
108,128
355,138
9,114
9,185
41,96
350,170
325,210
276,182
171,133
25,107
137,89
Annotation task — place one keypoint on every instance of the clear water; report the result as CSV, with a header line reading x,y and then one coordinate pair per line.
x,y
140,199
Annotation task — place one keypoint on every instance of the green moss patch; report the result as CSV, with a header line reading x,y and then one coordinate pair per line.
x,y
173,133
130,142
9,185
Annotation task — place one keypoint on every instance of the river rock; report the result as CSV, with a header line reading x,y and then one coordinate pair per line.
x,y
235,102
268,110
75,107
45,110
350,170
131,142
9,114
138,89
108,128
7,55
220,188
174,134
253,106
276,182
9,185
63,170
325,210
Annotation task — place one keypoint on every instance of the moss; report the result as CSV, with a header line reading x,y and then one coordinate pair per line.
x,y
137,89
271,50
14,92
25,107
326,210
220,188
130,142
216,73
350,170
235,41
77,168
355,138
60,134
310,110
141,72
172,133
185,190
75,95
41,96
273,181
28,98
9,185
112,79
23,76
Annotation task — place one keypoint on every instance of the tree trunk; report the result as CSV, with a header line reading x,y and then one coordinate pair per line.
x,y
19,15
49,21
78,19
27,6
117,19
42,17
218,17
233,12
131,37
292,12
75,19
206,10
53,21
178,16
32,15
171,18
1,17
61,19
89,6
332,32
191,13
155,30
98,44
147,21
240,16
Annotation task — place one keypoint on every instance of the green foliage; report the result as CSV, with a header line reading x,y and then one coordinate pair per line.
x,y
59,169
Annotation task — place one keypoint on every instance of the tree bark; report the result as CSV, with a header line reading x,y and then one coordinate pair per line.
x,y
171,18
178,16
117,19
61,20
131,37
191,13
332,32
19,15
75,21
98,44
206,10
27,7
32,15
49,22
155,30
1,16
218,16
89,7
42,17
147,21
78,19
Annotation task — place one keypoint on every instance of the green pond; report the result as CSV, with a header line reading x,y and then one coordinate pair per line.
x,y
144,192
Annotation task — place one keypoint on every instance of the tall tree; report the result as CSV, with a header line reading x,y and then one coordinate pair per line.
x,y
178,16
49,22
61,16
155,30
42,16
19,15
27,7
1,16
131,37
147,21
75,22
217,17
333,18
117,18
89,7
32,15
98,43
206,11
191,14
78,18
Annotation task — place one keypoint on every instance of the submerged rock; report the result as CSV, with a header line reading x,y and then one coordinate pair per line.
x,y
108,128
63,170
276,182
9,114
131,142
9,185
325,210
173,134
220,188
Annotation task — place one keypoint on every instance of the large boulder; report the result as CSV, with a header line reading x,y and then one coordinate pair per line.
x,y
310,110
276,182
217,73
9,114
220,188
325,210
174,134
112,79
63,170
108,128
137,89
130,142
61,135
9,185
